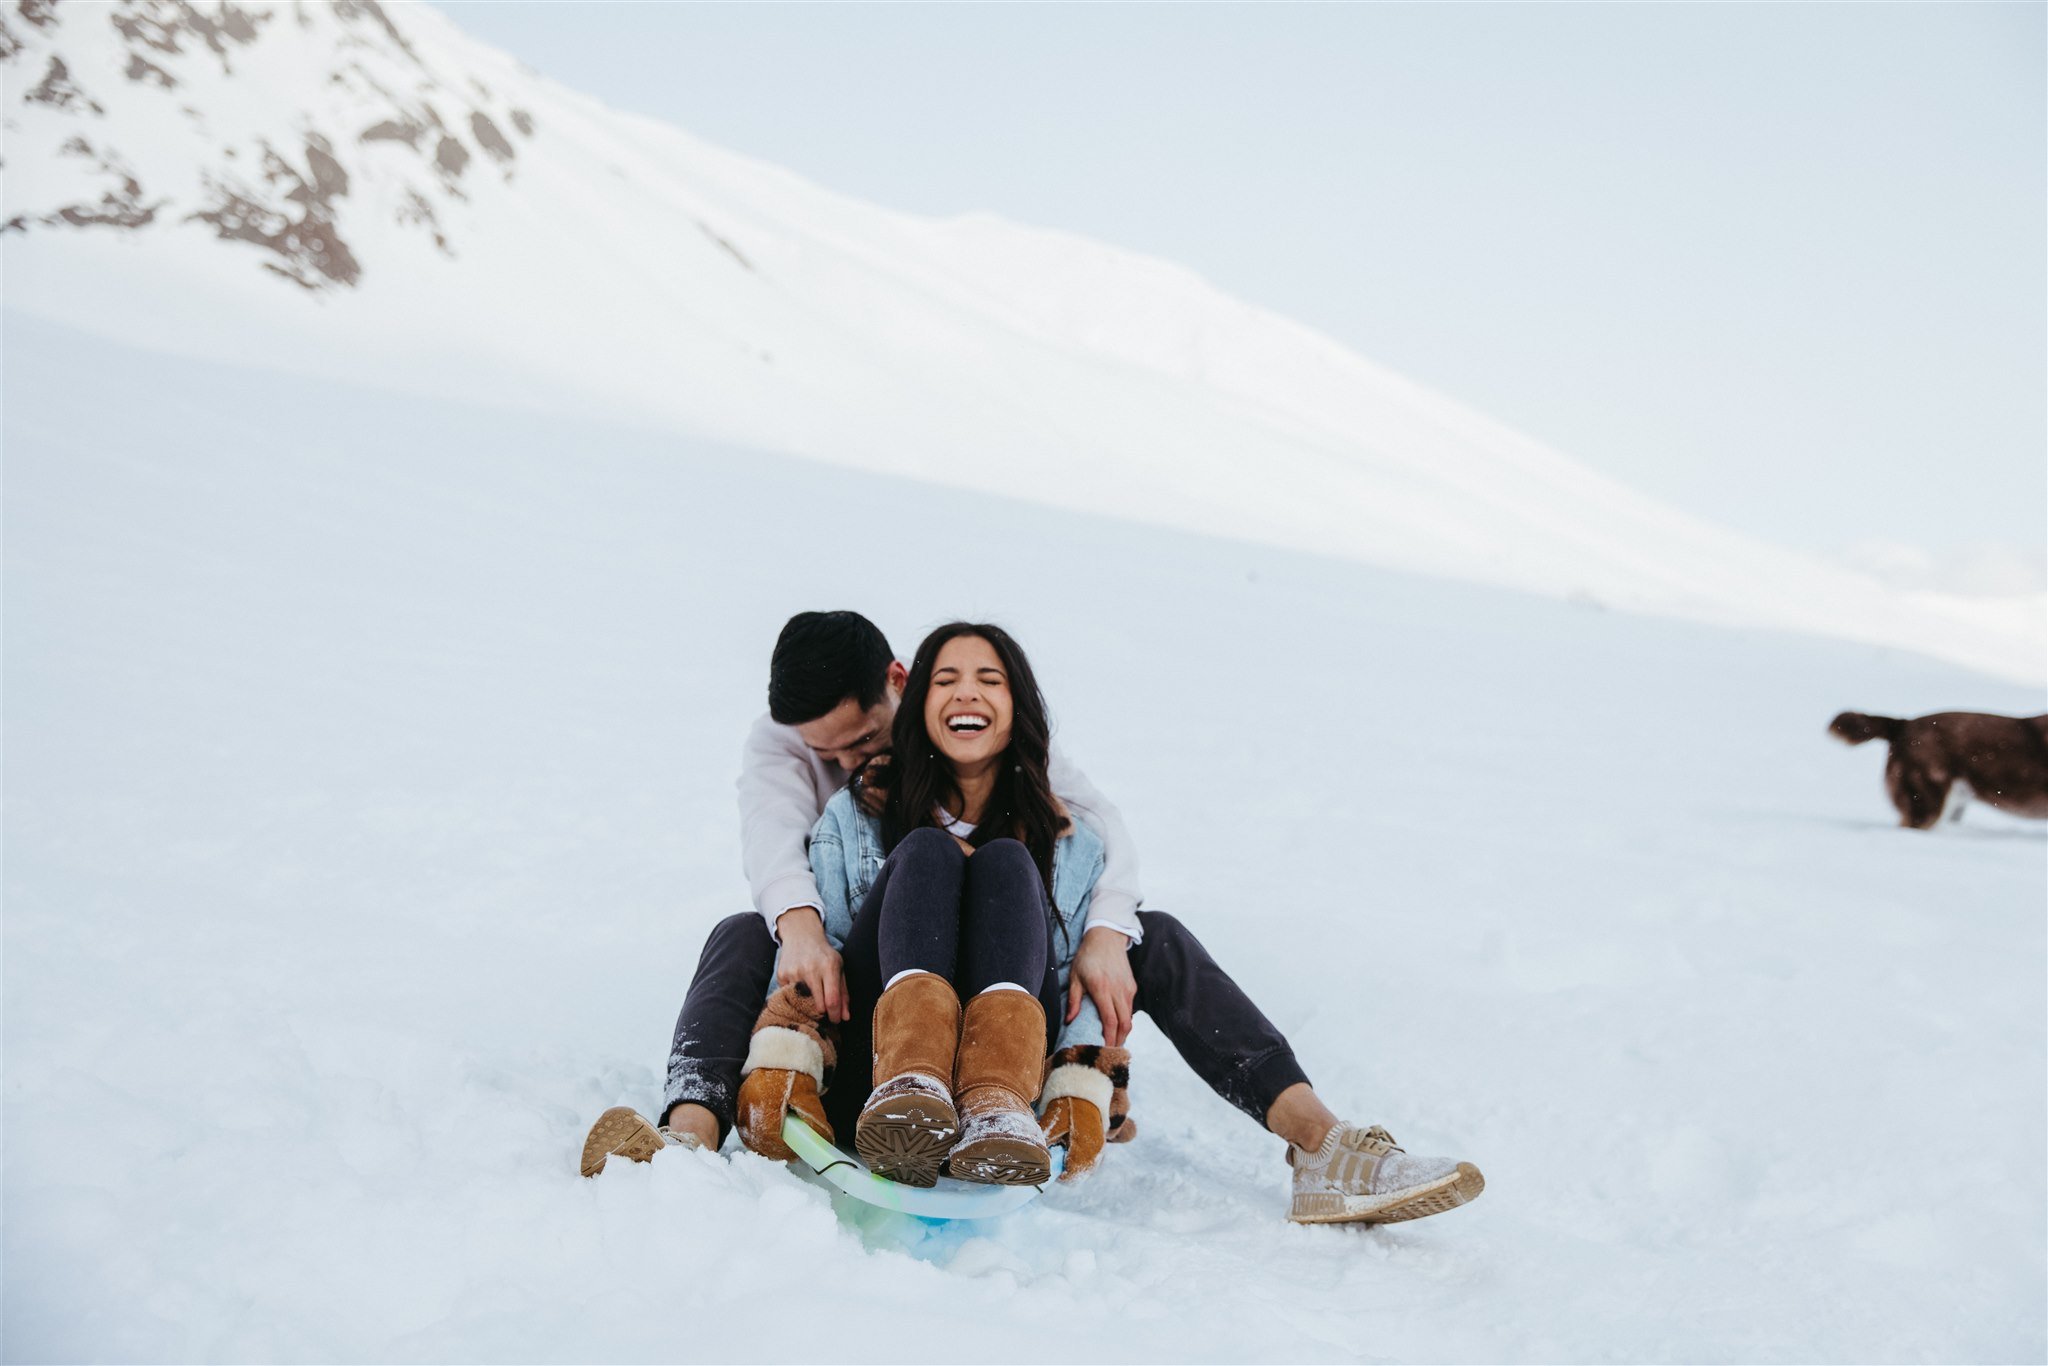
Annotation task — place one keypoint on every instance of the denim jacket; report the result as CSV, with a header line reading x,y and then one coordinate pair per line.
x,y
846,858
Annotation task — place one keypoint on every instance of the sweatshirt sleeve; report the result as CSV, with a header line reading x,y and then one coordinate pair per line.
x,y
778,804
1117,898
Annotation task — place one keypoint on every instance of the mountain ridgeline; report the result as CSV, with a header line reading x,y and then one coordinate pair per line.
x,y
371,196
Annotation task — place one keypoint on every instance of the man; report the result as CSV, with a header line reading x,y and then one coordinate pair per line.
x,y
833,689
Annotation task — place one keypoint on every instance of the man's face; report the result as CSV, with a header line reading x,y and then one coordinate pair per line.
x,y
850,735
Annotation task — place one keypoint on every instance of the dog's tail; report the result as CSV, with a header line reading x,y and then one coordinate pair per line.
x,y
1853,727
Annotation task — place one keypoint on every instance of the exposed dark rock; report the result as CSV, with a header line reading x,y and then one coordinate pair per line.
x,y
151,30
41,13
239,24
330,180
113,211
119,207
451,156
140,68
489,138
415,209
163,24
357,9
296,277
523,121
312,252
393,130
15,224
57,89
10,46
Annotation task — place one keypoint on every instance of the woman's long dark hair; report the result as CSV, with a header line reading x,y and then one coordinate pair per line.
x,y
920,779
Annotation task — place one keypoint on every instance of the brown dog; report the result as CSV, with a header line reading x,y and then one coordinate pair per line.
x,y
2002,759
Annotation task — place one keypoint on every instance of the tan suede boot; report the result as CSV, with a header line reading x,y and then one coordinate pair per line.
x,y
788,1060
909,1122
1085,1102
1002,1062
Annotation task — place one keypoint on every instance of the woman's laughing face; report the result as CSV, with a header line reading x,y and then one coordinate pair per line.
x,y
968,711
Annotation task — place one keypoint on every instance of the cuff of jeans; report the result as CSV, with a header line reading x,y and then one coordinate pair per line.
x,y
1272,1074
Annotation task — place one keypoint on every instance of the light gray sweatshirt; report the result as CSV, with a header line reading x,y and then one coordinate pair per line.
x,y
783,790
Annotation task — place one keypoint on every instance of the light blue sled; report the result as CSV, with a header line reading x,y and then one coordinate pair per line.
x,y
949,1199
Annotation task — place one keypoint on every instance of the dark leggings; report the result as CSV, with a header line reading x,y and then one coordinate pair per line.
x,y
1203,1013
975,920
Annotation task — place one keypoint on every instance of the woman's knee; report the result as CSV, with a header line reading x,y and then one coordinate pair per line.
x,y
928,843
1003,865
1005,852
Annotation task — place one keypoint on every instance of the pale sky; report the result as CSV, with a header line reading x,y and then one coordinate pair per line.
x,y
1780,264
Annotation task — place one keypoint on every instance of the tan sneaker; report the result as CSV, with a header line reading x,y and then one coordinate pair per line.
x,y
626,1132
1359,1176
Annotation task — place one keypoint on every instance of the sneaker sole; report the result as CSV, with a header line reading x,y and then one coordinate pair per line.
x,y
1001,1162
906,1138
623,1131
1460,1187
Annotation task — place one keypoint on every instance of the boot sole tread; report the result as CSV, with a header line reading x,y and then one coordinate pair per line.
x,y
1001,1162
906,1138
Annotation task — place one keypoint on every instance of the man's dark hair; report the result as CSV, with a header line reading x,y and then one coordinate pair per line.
x,y
823,658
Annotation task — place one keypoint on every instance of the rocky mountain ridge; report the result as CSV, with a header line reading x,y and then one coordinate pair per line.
x,y
141,118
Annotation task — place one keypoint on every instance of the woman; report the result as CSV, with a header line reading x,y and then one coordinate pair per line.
x,y
956,889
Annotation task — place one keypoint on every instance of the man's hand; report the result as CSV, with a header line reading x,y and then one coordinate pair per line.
x,y
808,957
1102,967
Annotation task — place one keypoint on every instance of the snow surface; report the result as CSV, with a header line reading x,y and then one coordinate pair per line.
x,y
369,793
618,270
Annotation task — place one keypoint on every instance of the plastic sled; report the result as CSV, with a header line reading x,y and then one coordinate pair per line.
x,y
949,1199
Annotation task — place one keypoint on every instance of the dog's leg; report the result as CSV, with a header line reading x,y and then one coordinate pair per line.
x,y
1895,784
1918,794
1929,794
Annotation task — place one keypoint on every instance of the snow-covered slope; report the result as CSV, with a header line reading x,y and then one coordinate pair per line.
x,y
369,793
361,192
